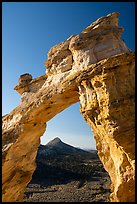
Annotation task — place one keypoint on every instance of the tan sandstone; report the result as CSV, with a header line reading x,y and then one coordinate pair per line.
x,y
97,69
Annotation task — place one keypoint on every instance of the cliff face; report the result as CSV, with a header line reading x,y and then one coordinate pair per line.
x,y
107,104
95,68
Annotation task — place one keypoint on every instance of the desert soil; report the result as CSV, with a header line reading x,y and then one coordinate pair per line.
x,y
62,184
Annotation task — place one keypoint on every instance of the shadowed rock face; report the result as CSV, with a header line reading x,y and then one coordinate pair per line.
x,y
95,68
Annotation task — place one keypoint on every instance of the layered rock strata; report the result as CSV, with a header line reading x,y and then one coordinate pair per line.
x,y
95,68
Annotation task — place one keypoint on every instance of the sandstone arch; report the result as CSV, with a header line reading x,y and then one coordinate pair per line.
x,y
95,68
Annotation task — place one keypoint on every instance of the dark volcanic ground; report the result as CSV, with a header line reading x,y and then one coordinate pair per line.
x,y
68,177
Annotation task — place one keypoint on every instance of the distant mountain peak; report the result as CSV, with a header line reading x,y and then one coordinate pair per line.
x,y
55,141
56,147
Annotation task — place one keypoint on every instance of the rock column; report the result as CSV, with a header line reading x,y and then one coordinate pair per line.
x,y
107,105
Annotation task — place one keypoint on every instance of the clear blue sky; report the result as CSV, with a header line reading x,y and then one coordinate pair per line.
x,y
30,29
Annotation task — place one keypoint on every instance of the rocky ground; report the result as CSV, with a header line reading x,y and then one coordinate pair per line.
x,y
68,179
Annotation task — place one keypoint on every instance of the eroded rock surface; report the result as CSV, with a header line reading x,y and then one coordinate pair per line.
x,y
107,104
95,68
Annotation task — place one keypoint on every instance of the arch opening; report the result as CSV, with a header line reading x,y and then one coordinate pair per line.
x,y
62,163
70,127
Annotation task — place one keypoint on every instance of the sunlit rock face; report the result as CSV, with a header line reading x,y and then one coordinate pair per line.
x,y
98,41
107,104
95,68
